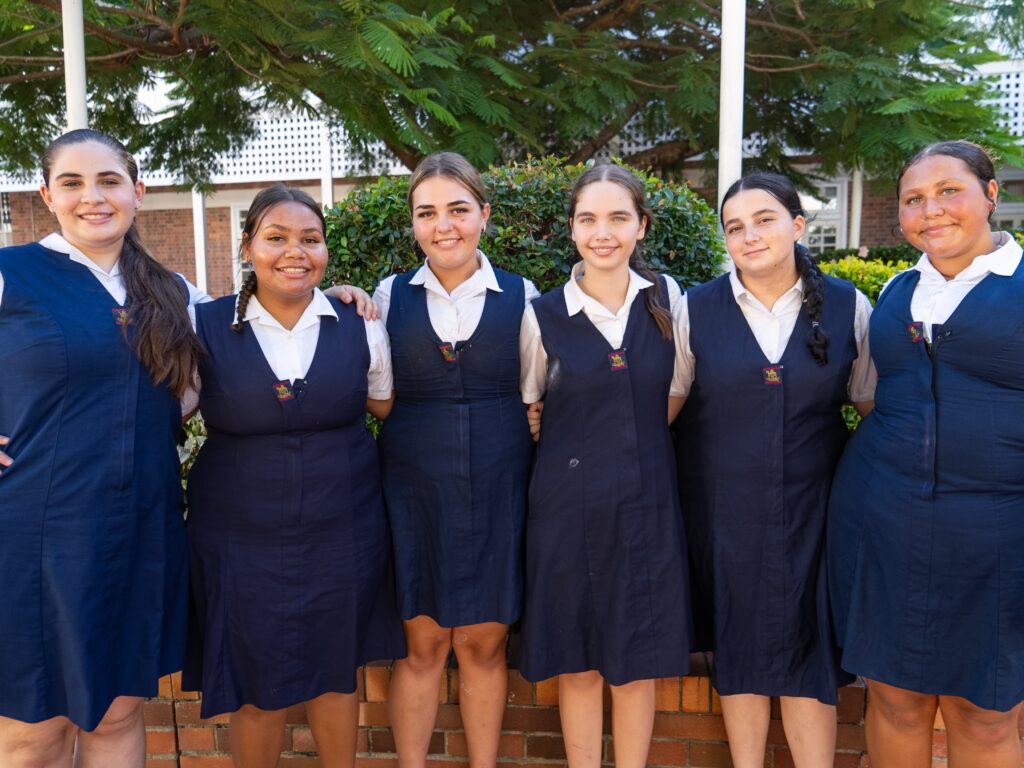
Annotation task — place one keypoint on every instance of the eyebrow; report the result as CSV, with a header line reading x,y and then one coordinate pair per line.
x,y
612,213
288,229
73,175
755,213
449,205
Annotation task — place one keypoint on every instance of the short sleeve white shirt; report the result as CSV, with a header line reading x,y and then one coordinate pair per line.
x,y
612,325
453,316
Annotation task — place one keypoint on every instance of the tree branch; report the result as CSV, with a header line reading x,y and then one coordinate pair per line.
x,y
604,23
104,33
665,153
142,15
653,86
582,10
49,74
30,34
756,22
609,132
795,68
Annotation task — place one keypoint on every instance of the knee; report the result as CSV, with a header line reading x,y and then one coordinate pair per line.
x,y
479,653
36,745
428,656
124,714
902,709
983,728
581,680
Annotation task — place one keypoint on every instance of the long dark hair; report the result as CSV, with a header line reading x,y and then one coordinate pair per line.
x,y
975,157
783,190
162,335
629,181
261,204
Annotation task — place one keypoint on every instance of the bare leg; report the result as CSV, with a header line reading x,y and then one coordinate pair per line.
x,y
980,738
257,736
483,683
119,739
334,720
899,726
632,722
415,682
580,707
810,730
746,718
48,744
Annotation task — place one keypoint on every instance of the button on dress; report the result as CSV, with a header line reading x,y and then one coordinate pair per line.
x,y
92,543
926,521
291,575
455,453
758,446
606,585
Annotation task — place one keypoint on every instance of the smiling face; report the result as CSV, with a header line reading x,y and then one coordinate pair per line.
x,y
93,197
944,211
760,235
288,254
447,221
606,225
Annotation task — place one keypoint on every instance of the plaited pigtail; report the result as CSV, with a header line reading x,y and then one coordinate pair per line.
x,y
248,289
814,298
652,296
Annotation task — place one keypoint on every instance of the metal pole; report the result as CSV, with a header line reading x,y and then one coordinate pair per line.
x,y
856,208
199,235
326,173
730,105
74,64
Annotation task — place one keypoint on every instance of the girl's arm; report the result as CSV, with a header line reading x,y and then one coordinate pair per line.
x,y
380,408
5,460
533,370
380,385
346,294
675,405
863,376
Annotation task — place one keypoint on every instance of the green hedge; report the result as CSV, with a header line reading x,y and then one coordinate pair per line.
x,y
868,275
370,237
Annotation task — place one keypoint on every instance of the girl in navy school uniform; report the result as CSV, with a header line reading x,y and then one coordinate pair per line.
x,y
96,348
287,532
926,519
455,453
772,350
607,593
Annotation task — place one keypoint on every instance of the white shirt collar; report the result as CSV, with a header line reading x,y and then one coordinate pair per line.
x,y
56,242
1004,261
319,307
739,291
576,299
483,279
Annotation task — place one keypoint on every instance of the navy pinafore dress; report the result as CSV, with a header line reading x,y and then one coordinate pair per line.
x,y
291,581
455,453
926,521
606,581
758,445
92,543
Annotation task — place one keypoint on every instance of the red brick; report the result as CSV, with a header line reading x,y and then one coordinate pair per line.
x,y
850,737
178,693
509,744
296,715
164,690
302,740
299,761
449,718
519,690
547,692
696,694
848,760
710,755
376,762
939,723
450,692
716,702
666,694
158,712
161,742
545,747
377,682
851,704
200,739
665,752
532,720
362,742
373,713
700,727
939,746
162,761
223,737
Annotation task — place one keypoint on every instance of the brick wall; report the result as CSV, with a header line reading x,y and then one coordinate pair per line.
x,y
688,728
879,217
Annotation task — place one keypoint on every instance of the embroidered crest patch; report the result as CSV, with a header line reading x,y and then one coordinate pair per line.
x,y
772,374
617,360
916,331
283,391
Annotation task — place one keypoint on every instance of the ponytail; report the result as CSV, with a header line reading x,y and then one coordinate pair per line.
x,y
814,298
162,336
652,296
248,289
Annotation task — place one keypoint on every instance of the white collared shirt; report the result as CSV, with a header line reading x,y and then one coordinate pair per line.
x,y
111,280
936,298
290,352
773,327
455,316
612,325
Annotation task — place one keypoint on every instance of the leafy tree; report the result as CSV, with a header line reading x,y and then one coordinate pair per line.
x,y
858,83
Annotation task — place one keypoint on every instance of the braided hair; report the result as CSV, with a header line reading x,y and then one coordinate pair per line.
x,y
783,190
261,204
162,337
632,184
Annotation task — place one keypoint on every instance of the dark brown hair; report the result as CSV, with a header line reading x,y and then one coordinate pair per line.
x,y
162,335
632,184
260,206
975,157
783,190
451,165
